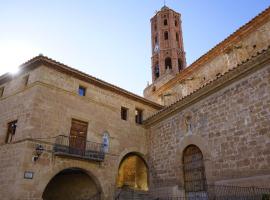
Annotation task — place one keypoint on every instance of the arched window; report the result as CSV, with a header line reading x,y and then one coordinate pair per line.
x,y
176,23
156,70
177,37
165,22
156,39
168,63
166,35
194,172
180,64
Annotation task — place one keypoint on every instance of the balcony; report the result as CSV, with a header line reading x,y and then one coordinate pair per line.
x,y
77,147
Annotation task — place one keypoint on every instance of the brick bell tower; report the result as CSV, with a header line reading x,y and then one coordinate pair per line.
x,y
168,55
167,43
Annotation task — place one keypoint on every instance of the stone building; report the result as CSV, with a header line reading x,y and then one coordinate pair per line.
x,y
67,135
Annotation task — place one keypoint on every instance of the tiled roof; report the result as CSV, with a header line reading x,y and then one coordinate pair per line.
x,y
38,60
211,82
219,48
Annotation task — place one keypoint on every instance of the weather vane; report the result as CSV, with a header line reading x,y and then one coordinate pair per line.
x,y
164,2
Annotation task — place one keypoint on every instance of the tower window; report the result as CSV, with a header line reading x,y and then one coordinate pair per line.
x,y
25,80
124,113
176,23
155,27
156,70
180,64
82,91
168,63
11,131
156,39
177,37
166,35
138,116
1,91
165,22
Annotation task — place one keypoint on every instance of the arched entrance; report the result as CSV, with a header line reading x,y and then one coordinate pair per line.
x,y
71,184
133,173
194,172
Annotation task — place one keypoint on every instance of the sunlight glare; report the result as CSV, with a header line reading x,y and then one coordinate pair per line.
x,y
13,54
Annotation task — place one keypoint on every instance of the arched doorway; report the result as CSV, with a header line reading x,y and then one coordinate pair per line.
x,y
71,184
133,173
194,172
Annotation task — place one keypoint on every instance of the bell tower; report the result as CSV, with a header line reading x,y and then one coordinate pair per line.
x,y
168,55
167,43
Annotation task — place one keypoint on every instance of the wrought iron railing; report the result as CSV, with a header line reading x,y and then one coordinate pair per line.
x,y
212,192
78,147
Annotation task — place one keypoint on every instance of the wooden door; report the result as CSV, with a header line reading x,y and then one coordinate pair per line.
x,y
77,140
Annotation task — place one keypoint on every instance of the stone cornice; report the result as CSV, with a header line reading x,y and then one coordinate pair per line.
x,y
43,60
220,48
242,70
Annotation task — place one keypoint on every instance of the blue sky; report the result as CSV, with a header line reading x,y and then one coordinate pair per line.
x,y
111,39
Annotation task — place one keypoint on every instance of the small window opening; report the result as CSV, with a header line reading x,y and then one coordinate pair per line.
x,y
138,116
168,63
180,64
166,35
82,91
155,27
25,80
1,91
156,39
176,23
177,37
156,70
165,22
11,131
124,113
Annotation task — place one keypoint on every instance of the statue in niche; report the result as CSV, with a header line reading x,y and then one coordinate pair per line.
x,y
188,124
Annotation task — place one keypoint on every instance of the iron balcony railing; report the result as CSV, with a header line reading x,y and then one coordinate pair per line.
x,y
79,147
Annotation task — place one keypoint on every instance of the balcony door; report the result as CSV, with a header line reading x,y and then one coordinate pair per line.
x,y
77,140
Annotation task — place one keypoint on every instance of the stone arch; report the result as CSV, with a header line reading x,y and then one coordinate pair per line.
x,y
133,172
72,183
49,174
202,144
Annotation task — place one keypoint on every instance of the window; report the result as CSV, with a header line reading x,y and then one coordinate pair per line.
x,y
156,40
177,37
1,91
156,70
138,116
124,113
176,24
180,64
25,80
166,35
11,131
168,63
165,22
82,91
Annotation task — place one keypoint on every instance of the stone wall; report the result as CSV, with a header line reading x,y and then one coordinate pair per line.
x,y
235,51
44,109
231,127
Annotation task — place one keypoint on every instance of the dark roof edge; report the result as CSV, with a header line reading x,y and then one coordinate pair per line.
x,y
39,60
241,70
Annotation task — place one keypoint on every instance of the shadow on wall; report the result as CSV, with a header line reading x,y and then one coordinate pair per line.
x,y
70,184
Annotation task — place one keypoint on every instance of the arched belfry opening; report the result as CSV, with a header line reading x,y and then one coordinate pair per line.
x,y
71,184
133,173
194,172
168,63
